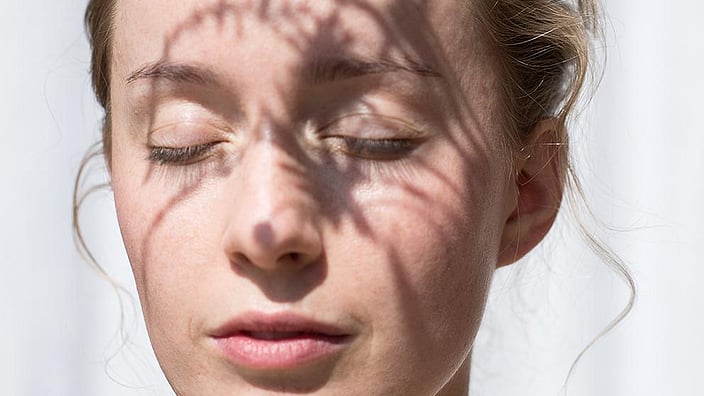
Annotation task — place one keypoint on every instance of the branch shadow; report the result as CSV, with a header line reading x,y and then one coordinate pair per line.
x,y
335,198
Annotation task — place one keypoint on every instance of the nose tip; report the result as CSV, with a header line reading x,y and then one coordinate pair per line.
x,y
274,251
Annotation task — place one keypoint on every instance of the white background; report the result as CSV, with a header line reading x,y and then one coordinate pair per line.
x,y
641,150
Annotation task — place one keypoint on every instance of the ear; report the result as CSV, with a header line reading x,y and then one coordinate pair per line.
x,y
537,192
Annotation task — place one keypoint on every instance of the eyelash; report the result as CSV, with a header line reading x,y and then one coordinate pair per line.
x,y
371,149
375,149
193,161
180,155
185,166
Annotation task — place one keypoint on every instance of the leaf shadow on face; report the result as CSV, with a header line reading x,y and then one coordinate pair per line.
x,y
332,191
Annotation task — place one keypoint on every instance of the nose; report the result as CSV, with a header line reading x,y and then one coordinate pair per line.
x,y
273,225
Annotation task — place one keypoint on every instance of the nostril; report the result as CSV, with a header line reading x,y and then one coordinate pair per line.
x,y
240,259
284,243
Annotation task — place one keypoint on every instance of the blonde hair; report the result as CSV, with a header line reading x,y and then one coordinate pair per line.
x,y
544,52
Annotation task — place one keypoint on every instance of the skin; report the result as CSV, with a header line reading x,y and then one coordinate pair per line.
x,y
396,245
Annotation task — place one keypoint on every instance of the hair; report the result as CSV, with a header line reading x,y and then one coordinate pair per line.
x,y
99,20
543,47
544,53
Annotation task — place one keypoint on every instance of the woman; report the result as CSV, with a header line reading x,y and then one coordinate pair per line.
x,y
314,194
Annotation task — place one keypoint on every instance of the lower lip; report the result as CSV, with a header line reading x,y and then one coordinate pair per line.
x,y
265,354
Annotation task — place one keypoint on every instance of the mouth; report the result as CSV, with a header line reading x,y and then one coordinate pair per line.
x,y
280,341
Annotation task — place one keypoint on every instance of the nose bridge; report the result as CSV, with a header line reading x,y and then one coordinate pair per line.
x,y
273,226
275,179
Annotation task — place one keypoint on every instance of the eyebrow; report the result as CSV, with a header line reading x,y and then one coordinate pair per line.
x,y
174,72
316,72
329,70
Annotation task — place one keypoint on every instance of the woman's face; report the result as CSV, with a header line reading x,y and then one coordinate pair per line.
x,y
312,194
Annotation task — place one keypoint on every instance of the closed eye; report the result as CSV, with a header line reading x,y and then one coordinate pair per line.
x,y
372,136
375,149
180,155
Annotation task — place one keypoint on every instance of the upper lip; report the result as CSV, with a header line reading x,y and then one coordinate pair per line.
x,y
282,322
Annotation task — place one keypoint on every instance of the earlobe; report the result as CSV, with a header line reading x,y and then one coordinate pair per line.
x,y
537,191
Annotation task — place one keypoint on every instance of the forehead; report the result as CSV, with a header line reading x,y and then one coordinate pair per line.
x,y
147,31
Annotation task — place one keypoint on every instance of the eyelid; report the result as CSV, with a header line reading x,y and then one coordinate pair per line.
x,y
182,134
185,143
372,137
394,127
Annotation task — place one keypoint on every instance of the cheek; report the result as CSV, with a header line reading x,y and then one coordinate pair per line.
x,y
423,262
170,241
160,237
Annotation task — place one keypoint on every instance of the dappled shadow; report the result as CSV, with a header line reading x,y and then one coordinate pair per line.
x,y
330,186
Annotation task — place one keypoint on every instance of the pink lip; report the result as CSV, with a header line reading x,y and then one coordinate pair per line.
x,y
278,341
